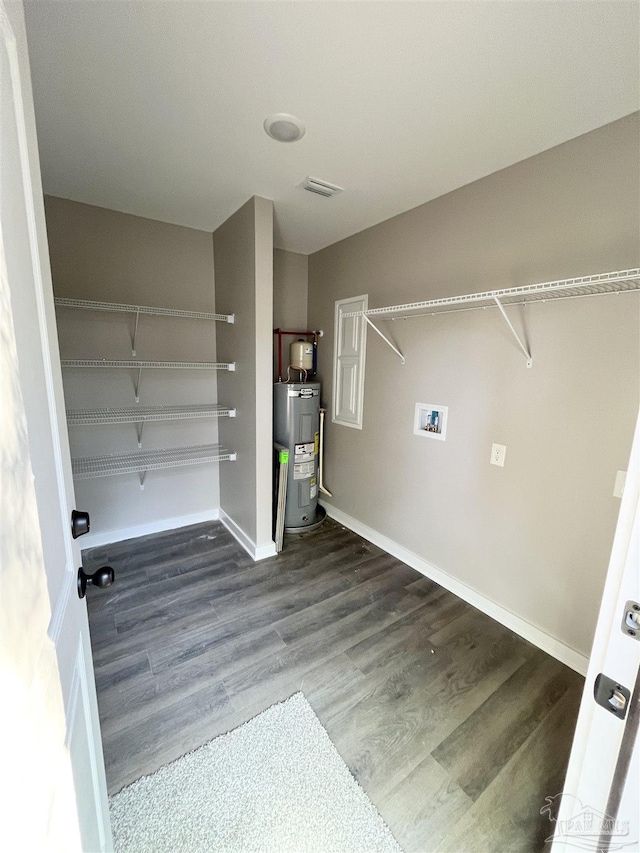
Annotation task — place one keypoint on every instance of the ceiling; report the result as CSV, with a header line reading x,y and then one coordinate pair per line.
x,y
156,108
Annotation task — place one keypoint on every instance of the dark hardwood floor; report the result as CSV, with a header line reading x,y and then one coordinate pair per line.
x,y
455,727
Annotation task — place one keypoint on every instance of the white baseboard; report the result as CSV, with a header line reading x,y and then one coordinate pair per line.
x,y
257,552
92,540
550,645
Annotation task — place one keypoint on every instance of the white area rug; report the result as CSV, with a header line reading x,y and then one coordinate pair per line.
x,y
275,785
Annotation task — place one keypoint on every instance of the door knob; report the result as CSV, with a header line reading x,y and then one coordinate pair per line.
x,y
103,577
80,523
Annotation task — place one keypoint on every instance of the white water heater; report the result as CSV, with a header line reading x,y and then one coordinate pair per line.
x,y
296,426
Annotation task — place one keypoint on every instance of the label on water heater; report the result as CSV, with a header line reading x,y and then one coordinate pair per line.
x,y
303,470
304,452
305,393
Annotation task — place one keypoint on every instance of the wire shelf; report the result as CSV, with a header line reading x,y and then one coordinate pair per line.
x,y
89,305
144,414
161,365
592,285
148,460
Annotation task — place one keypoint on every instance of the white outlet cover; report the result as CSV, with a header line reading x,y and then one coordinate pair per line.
x,y
498,452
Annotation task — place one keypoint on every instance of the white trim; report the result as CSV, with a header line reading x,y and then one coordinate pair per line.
x,y
264,551
551,645
93,540
257,552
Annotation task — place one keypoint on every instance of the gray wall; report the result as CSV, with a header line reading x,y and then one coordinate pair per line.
x,y
108,256
290,287
535,535
243,250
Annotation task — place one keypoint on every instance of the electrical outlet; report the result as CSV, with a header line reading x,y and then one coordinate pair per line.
x,y
498,452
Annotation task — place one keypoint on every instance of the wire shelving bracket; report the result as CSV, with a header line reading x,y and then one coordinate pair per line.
x,y
515,334
136,385
384,338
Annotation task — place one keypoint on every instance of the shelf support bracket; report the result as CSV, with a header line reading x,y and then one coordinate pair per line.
x,y
137,385
386,339
142,476
514,333
139,431
135,335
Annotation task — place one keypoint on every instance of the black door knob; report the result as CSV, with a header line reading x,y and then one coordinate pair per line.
x,y
80,523
102,577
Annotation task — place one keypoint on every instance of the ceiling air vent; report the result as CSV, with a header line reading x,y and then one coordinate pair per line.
x,y
315,185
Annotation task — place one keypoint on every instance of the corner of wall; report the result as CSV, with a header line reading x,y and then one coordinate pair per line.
x,y
243,252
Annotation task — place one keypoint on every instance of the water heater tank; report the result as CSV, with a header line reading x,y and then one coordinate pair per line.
x,y
301,355
296,425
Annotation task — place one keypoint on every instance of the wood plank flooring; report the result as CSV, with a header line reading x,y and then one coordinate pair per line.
x,y
455,727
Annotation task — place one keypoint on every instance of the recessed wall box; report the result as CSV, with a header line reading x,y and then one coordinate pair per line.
x,y
431,420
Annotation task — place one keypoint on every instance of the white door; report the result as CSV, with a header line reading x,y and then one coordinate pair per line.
x,y
600,803
52,768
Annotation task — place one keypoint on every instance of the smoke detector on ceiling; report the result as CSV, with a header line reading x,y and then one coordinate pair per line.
x,y
284,128
315,185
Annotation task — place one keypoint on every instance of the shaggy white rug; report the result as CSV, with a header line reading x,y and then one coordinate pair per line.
x,y
275,785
